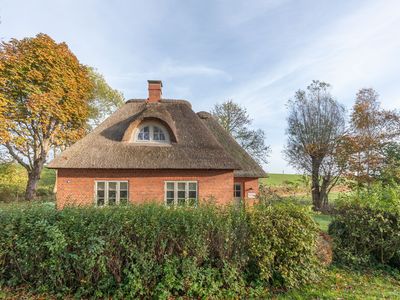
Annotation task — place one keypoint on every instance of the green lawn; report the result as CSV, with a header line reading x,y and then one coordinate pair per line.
x,y
279,179
339,283
48,178
323,221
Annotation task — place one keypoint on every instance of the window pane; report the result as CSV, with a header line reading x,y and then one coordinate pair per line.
x,y
170,186
181,186
123,197
100,186
112,193
192,186
144,134
170,194
156,133
100,201
100,193
192,194
170,201
123,186
237,192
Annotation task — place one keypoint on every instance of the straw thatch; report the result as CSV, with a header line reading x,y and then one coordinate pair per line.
x,y
193,144
248,166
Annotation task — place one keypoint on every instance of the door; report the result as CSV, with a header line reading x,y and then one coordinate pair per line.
x,y
238,192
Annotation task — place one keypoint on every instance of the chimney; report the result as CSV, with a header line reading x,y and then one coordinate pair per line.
x,y
155,87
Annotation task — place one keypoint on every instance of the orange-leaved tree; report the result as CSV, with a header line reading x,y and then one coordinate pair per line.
x,y
372,129
44,95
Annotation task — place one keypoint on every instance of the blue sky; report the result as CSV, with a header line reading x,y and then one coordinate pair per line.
x,y
257,53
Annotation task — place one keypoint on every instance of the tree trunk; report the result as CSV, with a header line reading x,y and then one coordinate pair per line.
x,y
315,186
324,193
33,179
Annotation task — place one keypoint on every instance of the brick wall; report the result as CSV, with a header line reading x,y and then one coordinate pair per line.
x,y
249,185
76,186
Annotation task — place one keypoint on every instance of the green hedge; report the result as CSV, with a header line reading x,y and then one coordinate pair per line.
x,y
366,227
150,251
363,236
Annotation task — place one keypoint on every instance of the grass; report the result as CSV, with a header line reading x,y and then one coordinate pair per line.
x,y
48,178
323,221
280,179
343,283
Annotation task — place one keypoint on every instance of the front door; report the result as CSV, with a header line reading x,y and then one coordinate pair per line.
x,y
237,192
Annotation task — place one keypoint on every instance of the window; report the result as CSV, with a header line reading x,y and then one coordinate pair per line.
x,y
181,193
111,193
237,190
152,132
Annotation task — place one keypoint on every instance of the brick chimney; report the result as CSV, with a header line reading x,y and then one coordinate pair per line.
x,y
155,90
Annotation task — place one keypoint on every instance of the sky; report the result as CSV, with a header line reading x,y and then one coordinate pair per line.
x,y
257,53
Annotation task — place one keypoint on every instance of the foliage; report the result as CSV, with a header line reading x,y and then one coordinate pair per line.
x,y
366,227
105,100
316,124
283,251
372,129
12,181
235,119
390,171
43,100
151,251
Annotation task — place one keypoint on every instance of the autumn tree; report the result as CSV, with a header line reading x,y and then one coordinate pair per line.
x,y
235,119
371,130
105,100
316,125
44,96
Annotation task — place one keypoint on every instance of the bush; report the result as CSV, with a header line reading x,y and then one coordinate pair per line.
x,y
150,251
366,228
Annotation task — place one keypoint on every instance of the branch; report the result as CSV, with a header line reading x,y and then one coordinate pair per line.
x,y
16,157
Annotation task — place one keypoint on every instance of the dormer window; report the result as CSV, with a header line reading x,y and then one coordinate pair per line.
x,y
151,132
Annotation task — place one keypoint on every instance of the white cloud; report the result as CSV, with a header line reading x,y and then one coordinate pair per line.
x,y
171,69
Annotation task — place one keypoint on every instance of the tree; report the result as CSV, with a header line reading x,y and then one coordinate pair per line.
x,y
105,99
44,96
372,129
235,119
316,125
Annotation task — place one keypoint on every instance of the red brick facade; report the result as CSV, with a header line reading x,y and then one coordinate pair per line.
x,y
77,186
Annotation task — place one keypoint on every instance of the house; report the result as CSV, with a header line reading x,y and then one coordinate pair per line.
x,y
156,149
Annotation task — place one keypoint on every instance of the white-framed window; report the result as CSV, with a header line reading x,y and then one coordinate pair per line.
x,y
111,192
181,193
151,132
237,190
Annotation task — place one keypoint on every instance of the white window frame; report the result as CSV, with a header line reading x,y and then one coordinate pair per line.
x,y
118,190
151,125
175,182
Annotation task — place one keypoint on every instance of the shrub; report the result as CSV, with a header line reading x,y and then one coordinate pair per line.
x,y
150,251
366,228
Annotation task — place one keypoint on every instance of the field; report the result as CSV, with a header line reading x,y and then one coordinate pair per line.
x,y
281,179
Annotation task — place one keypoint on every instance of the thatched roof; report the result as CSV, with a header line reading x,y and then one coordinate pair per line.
x,y
193,144
248,166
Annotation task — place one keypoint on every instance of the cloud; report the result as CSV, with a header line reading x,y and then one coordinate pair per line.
x,y
170,69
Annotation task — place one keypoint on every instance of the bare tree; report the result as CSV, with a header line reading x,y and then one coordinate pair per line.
x,y
236,121
316,125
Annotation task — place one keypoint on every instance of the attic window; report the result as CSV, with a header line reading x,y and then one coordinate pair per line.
x,y
151,132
